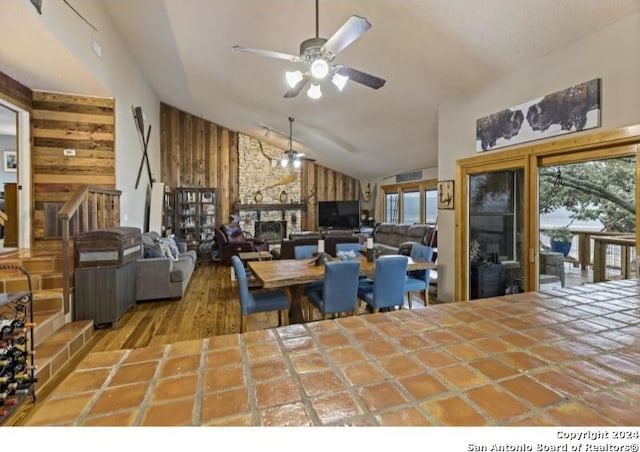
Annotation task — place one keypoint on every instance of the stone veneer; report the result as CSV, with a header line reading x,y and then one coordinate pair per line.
x,y
257,172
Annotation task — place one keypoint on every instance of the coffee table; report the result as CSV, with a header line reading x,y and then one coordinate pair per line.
x,y
255,256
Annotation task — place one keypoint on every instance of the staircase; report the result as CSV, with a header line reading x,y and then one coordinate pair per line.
x,y
56,339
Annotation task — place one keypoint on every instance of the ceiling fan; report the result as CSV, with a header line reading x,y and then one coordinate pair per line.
x,y
318,54
292,157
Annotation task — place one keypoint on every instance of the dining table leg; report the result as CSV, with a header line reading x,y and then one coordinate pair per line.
x,y
295,311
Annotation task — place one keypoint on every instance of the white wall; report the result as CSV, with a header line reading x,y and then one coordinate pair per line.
x,y
611,54
122,79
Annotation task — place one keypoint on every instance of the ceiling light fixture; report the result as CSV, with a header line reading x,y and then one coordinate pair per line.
x,y
297,163
339,80
293,78
319,68
314,91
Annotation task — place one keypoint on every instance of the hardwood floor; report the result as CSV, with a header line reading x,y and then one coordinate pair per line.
x,y
210,307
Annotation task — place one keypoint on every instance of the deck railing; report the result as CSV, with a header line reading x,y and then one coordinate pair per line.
x,y
617,261
90,208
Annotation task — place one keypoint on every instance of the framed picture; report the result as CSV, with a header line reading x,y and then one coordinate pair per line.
x,y
10,159
445,195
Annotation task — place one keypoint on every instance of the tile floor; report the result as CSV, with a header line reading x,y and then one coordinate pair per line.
x,y
568,357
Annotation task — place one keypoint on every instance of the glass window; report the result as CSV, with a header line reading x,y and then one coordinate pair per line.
x,y
411,207
431,206
391,208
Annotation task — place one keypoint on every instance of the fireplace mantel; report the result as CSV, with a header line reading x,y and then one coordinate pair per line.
x,y
270,207
280,206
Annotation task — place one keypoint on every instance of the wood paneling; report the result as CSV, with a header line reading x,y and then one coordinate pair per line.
x,y
196,152
59,122
328,185
14,92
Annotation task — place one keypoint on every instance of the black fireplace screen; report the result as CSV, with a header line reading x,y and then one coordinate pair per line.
x,y
271,231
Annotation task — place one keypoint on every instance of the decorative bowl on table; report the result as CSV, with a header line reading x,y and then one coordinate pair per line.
x,y
346,255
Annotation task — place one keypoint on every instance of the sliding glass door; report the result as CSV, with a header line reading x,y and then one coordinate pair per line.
x,y
587,210
495,231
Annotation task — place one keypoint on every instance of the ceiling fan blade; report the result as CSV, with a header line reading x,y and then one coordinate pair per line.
x,y
349,32
362,77
266,53
293,92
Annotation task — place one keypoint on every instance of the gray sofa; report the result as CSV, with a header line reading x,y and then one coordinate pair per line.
x,y
162,277
390,238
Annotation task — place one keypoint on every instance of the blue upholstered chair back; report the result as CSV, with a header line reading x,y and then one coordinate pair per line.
x,y
246,299
304,251
348,247
388,284
421,253
340,290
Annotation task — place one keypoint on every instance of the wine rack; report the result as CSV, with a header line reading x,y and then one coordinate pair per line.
x,y
17,369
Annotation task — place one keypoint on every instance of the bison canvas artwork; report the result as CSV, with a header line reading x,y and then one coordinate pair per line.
x,y
570,110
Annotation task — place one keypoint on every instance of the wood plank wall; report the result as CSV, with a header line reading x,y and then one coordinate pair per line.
x,y
197,152
59,122
14,92
320,183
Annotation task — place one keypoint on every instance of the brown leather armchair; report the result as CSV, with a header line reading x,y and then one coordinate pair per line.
x,y
231,241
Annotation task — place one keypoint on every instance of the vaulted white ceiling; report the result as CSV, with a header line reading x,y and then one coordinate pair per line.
x,y
427,50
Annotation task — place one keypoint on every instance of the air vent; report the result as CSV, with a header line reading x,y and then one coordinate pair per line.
x,y
409,176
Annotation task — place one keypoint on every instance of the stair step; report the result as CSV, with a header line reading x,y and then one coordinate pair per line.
x,y
35,264
48,300
51,355
14,281
47,324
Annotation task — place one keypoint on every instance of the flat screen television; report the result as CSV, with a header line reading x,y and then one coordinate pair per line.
x,y
339,214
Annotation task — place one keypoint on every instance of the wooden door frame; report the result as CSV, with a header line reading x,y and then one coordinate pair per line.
x,y
620,142
24,173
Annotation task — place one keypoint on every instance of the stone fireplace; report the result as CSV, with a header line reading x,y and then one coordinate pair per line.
x,y
271,231
259,172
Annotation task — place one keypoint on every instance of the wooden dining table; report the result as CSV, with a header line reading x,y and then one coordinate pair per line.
x,y
295,274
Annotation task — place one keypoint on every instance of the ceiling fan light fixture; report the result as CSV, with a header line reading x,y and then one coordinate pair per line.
x,y
339,81
319,68
293,78
314,91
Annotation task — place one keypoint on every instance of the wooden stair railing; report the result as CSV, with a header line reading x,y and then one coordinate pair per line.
x,y
105,213
3,218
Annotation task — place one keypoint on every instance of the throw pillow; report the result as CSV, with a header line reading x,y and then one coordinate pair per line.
x,y
152,251
168,248
182,247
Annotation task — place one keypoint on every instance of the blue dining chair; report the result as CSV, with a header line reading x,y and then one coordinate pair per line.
x,y
339,291
418,280
304,251
386,290
355,247
251,303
